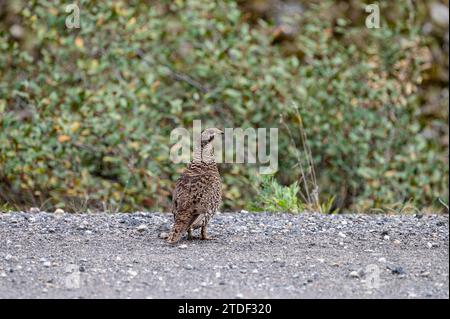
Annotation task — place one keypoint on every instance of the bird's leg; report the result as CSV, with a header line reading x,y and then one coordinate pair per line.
x,y
190,237
203,234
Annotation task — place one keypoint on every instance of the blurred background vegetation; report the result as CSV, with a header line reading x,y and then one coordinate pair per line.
x,y
86,114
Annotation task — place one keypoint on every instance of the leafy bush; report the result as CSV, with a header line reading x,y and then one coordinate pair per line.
x,y
86,114
274,197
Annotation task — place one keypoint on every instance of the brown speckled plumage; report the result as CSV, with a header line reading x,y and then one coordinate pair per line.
x,y
197,194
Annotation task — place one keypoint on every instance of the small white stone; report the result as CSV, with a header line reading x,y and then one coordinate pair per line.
x,y
47,264
341,234
386,237
163,235
184,246
34,210
412,295
382,260
239,296
142,228
59,211
354,274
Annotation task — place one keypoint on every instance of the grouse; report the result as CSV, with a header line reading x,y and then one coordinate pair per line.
x,y
198,192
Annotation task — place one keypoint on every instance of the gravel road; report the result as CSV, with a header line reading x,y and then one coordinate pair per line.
x,y
254,255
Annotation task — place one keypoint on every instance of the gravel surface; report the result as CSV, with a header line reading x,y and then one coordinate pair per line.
x,y
254,255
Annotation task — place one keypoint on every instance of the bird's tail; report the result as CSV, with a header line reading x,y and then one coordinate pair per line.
x,y
175,234
181,224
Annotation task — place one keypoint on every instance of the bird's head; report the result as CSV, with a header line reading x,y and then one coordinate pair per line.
x,y
209,134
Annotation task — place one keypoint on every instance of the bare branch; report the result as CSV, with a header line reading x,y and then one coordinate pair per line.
x,y
176,75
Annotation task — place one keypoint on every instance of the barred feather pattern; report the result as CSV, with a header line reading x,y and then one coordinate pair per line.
x,y
196,198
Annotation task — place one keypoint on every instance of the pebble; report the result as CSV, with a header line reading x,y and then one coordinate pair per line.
x,y
183,246
59,211
398,271
163,235
354,274
47,264
34,210
412,295
132,273
142,228
188,267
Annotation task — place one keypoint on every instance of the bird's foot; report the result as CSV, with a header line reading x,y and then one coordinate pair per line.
x,y
204,234
208,238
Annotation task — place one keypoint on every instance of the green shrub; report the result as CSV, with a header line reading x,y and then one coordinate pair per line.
x,y
273,197
86,114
